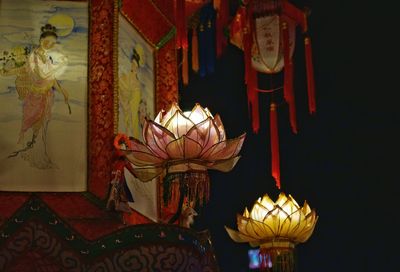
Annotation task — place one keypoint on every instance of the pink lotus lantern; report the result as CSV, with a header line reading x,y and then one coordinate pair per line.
x,y
180,147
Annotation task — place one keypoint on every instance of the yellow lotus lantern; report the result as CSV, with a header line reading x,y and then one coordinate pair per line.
x,y
276,227
182,146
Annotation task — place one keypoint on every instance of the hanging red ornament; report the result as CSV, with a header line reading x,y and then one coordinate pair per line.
x,y
310,76
195,50
222,9
266,31
276,173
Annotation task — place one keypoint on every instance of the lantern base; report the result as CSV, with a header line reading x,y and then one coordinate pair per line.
x,y
277,256
185,189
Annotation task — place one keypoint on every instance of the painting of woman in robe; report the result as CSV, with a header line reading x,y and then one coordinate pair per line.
x,y
130,93
136,101
35,83
43,95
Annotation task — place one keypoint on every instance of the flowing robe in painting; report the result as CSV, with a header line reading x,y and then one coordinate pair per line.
x,y
35,85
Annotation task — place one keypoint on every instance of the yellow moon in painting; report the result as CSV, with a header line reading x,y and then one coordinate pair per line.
x,y
64,24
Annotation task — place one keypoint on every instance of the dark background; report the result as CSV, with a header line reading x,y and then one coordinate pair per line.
x,y
344,161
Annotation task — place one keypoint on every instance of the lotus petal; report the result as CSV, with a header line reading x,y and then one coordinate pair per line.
x,y
238,236
168,115
253,228
282,198
224,150
183,148
206,133
159,117
208,112
179,124
185,166
258,212
157,138
220,126
142,158
197,115
136,145
144,155
267,202
306,209
224,165
146,174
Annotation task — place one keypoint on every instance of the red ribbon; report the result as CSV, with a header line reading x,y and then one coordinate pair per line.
x,y
310,76
275,144
250,73
195,50
222,8
288,77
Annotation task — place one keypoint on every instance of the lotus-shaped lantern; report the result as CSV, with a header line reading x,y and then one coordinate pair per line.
x,y
276,227
180,143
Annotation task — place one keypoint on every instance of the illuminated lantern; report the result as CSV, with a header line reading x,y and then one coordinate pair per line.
x,y
266,31
275,227
180,147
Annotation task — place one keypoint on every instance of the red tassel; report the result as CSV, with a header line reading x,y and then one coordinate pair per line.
x,y
217,4
195,51
185,66
247,42
236,28
288,78
310,76
275,145
222,7
295,14
250,75
180,22
184,37
263,258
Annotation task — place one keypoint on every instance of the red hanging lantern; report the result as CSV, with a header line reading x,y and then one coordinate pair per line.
x,y
266,31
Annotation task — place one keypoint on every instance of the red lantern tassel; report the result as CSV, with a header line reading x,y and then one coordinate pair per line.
x,y
288,92
275,144
247,42
182,39
179,5
250,76
218,28
310,76
195,51
185,66
264,259
236,28
221,7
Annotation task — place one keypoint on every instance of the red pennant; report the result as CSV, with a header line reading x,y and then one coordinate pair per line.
x,y
275,144
310,76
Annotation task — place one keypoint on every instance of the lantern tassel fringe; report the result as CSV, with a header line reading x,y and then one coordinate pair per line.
x,y
277,260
